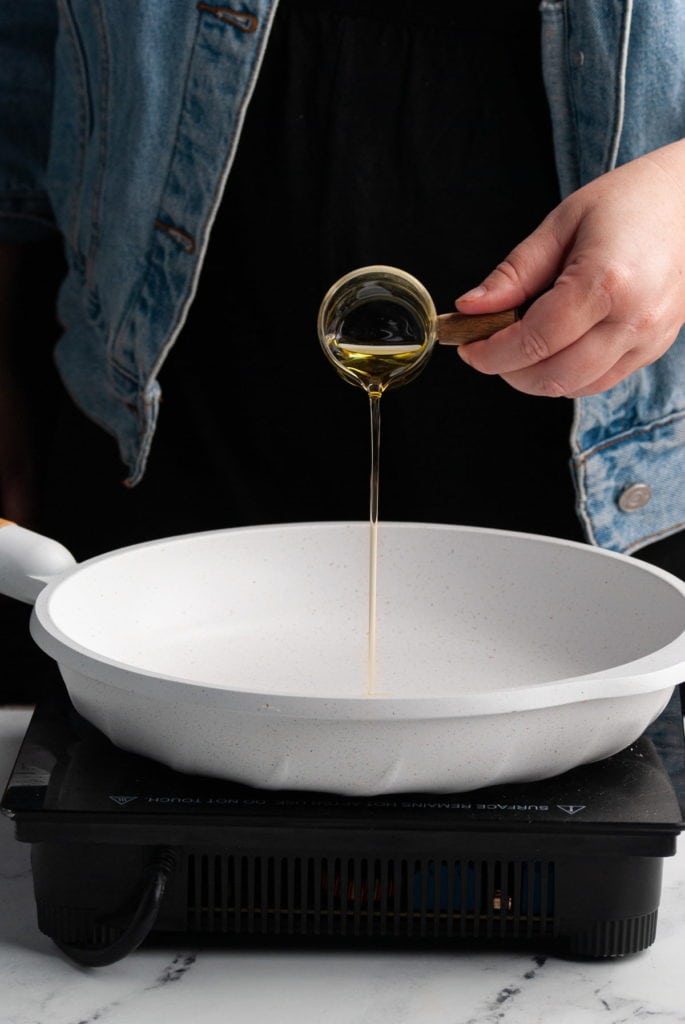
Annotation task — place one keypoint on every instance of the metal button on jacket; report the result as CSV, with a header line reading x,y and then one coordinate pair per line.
x,y
634,497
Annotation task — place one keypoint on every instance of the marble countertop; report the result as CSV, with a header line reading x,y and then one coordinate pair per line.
x,y
40,986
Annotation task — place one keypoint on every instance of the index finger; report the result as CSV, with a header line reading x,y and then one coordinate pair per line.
x,y
557,319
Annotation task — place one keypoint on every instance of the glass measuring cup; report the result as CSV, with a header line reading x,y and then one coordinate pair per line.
x,y
377,325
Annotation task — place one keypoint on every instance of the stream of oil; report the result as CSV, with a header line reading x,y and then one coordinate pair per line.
x,y
379,344
375,410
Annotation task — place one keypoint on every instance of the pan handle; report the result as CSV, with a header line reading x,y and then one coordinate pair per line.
x,y
28,561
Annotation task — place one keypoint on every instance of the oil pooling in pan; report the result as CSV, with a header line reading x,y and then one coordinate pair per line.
x,y
377,326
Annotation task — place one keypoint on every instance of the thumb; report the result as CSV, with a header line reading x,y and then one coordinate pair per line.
x,y
526,271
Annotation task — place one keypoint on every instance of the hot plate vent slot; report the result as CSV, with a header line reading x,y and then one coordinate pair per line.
x,y
369,896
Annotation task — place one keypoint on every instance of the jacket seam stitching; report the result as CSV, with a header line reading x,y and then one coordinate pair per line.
x,y
582,503
123,371
202,241
145,270
84,119
629,436
620,94
103,112
571,88
667,531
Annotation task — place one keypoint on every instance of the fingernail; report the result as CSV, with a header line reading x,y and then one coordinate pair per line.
x,y
475,293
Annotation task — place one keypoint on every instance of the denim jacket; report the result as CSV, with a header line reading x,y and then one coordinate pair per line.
x,y
119,120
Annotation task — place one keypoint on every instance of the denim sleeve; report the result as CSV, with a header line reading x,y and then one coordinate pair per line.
x,y
27,42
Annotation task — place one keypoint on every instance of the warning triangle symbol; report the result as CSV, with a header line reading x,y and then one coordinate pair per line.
x,y
121,800
571,808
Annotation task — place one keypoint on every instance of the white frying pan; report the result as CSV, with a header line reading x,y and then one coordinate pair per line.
x,y
242,653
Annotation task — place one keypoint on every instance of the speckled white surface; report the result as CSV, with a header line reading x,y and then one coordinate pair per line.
x,y
177,985
283,609
259,636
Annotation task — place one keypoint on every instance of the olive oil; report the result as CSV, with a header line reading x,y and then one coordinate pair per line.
x,y
377,327
378,342
374,366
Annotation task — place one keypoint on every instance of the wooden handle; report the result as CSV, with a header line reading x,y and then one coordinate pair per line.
x,y
460,328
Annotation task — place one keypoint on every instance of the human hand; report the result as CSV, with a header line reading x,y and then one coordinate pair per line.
x,y
615,252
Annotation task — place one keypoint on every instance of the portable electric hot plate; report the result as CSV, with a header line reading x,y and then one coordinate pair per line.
x,y
123,847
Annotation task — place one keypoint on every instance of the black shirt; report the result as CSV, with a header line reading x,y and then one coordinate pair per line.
x,y
415,135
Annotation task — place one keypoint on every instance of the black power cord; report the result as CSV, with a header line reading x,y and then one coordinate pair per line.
x,y
140,924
